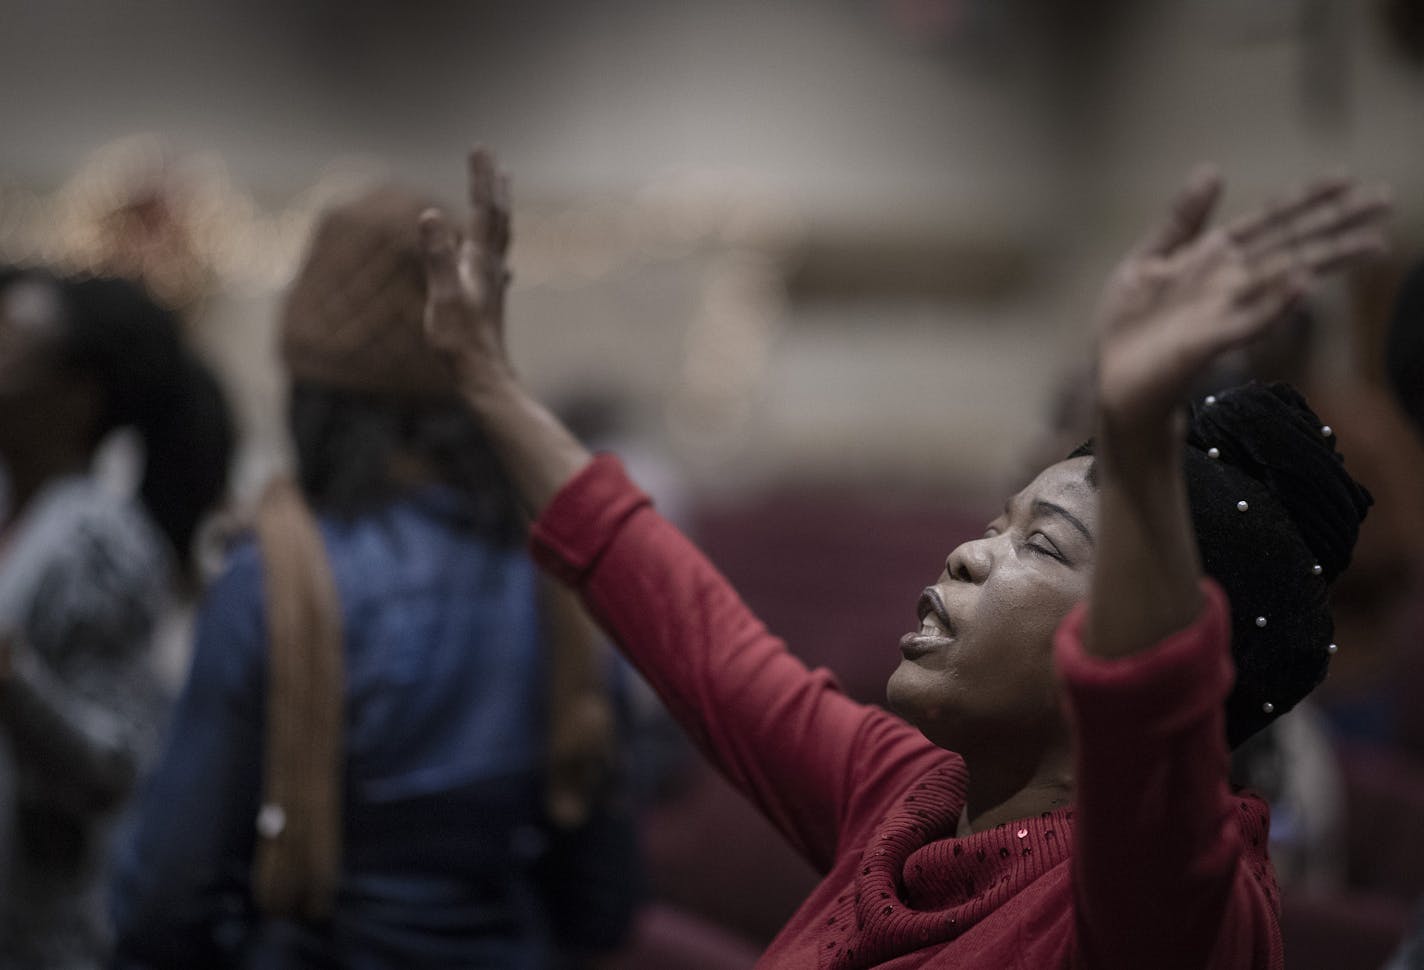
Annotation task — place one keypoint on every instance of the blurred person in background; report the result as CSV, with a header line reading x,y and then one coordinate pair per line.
x,y
1060,796
1371,697
1404,366
7,816
85,572
390,752
1404,348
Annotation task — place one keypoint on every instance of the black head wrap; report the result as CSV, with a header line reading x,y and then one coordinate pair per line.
x,y
1270,502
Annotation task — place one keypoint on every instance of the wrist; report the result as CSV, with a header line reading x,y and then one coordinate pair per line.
x,y
1131,448
482,380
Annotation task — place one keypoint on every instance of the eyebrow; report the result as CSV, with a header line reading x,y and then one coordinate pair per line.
x,y
1040,507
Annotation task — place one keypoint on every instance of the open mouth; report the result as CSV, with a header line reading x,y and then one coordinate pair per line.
x,y
936,629
934,618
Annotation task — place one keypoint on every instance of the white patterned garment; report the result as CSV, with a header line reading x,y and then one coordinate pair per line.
x,y
83,579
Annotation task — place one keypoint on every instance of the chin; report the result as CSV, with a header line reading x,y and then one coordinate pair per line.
x,y
912,700
896,692
919,698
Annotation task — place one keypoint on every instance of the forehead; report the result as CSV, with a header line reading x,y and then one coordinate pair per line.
x,y
1066,484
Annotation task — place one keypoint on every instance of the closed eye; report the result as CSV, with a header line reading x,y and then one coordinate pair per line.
x,y
1044,546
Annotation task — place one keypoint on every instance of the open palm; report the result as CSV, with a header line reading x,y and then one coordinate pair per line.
x,y
1185,294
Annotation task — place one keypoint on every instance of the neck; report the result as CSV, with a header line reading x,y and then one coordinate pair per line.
x,y
1001,791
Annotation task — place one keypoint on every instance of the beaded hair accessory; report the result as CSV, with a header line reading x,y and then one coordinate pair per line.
x,y
1276,517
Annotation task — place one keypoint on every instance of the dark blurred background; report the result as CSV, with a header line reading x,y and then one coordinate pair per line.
x,y
819,222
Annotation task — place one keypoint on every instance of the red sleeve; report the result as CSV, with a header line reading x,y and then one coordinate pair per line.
x,y
1162,876
783,734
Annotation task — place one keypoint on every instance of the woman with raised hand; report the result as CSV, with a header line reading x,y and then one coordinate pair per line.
x,y
1059,795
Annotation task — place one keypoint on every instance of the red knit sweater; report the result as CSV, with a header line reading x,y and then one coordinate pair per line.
x,y
1157,864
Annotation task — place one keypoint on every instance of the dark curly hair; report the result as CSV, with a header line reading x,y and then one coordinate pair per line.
x,y
116,335
348,444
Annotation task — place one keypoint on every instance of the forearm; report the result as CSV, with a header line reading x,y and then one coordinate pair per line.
x,y
1146,582
538,453
783,735
1161,876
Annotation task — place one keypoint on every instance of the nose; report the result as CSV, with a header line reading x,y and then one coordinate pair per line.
x,y
969,562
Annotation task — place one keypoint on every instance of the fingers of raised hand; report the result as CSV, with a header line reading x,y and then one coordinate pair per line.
x,y
1320,253
1326,212
1320,228
489,204
499,225
481,177
1359,209
438,243
1247,229
1257,312
1188,215
1222,297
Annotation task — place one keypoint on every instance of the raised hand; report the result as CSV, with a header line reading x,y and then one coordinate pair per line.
x,y
1186,295
1182,297
466,276
464,317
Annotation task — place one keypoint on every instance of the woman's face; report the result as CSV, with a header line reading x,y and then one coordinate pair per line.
x,y
979,670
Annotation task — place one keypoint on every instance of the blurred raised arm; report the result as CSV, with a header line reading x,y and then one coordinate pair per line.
x,y
464,317
784,735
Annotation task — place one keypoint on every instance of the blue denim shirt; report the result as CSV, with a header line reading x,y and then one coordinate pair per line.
x,y
445,745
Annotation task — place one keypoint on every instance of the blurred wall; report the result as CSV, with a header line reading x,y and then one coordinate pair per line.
x,y
854,241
